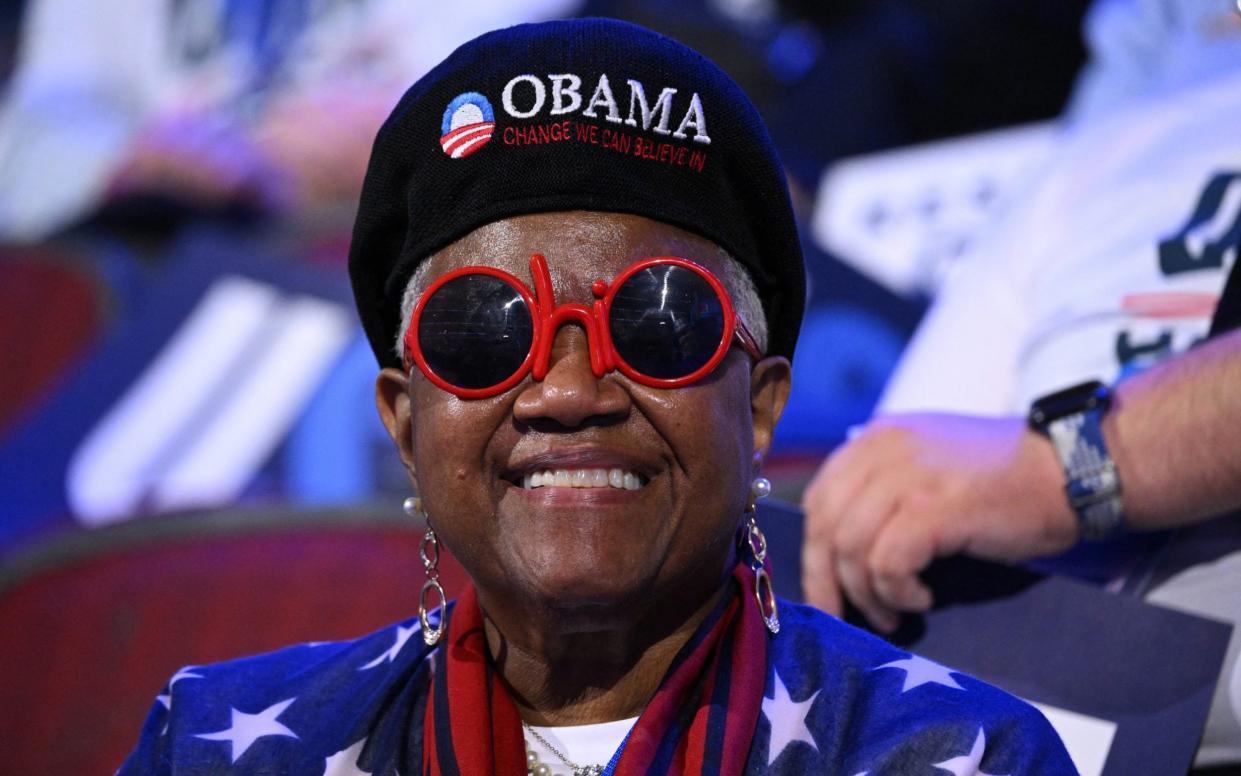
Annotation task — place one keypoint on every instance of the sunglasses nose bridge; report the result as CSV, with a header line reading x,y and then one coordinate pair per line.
x,y
550,324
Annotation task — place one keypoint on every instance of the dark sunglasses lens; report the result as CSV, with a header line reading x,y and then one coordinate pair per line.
x,y
666,321
475,331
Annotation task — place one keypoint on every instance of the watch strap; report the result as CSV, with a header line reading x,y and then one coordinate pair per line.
x,y
1092,483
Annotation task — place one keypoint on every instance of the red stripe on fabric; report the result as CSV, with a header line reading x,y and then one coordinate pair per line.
x,y
749,677
483,721
648,732
465,149
430,758
679,764
1170,304
485,126
454,148
466,655
747,666
465,135
692,751
506,732
486,729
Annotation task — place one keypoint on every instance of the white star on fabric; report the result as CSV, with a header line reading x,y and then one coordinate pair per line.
x,y
184,673
248,728
788,720
967,764
920,671
165,700
345,762
402,636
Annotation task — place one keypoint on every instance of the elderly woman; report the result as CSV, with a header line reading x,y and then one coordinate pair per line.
x,y
576,261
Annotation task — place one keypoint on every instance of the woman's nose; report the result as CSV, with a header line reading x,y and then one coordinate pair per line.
x,y
570,394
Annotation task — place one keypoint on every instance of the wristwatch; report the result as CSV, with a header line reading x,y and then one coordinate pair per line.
x,y
1073,420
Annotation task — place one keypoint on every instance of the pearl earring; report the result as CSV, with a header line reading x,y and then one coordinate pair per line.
x,y
432,589
764,593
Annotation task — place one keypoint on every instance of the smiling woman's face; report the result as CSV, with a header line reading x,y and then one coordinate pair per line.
x,y
590,554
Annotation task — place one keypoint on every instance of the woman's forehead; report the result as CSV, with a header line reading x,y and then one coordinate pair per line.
x,y
579,245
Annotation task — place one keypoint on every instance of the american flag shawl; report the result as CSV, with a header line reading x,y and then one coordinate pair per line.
x,y
819,697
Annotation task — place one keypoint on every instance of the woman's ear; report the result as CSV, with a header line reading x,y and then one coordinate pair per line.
x,y
392,400
770,382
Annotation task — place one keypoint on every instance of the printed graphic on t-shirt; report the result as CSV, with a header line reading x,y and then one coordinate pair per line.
x,y
1207,242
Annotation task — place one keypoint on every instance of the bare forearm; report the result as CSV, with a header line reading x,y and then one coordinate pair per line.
x,y
1175,434
916,487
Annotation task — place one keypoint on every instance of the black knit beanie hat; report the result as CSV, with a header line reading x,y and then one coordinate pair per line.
x,y
586,114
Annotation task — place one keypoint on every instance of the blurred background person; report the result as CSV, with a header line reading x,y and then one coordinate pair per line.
x,y
1108,267
268,105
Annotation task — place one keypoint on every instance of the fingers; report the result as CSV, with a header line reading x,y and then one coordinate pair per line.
x,y
846,505
911,488
899,553
818,577
868,513
860,543
822,502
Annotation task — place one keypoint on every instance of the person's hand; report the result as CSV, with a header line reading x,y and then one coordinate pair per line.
x,y
912,488
323,139
202,158
309,150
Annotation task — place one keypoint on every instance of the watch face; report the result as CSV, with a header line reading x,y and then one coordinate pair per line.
x,y
1093,395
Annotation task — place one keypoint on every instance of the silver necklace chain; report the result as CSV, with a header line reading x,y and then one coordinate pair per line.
x,y
578,770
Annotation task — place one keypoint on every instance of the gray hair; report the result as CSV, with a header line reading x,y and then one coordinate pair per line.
x,y
734,277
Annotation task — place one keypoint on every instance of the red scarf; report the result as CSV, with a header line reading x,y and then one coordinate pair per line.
x,y
700,720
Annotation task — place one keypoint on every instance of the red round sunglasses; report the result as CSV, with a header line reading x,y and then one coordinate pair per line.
x,y
665,322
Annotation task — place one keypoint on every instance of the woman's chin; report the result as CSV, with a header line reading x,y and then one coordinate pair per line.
x,y
580,594
577,583
607,550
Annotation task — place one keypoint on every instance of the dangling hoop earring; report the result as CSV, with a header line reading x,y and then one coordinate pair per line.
x,y
430,552
764,593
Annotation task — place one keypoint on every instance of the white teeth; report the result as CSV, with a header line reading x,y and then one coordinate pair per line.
x,y
582,478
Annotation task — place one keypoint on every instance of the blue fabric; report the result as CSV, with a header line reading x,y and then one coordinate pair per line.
x,y
837,700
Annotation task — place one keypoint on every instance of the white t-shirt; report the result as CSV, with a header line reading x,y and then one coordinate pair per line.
x,y
581,744
1112,260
